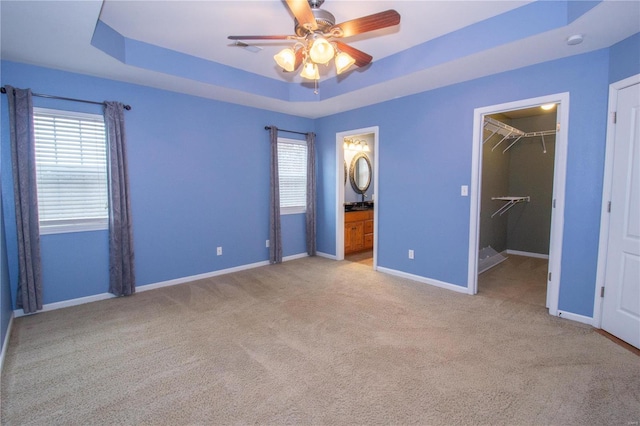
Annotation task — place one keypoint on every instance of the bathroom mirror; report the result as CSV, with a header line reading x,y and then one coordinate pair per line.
x,y
360,173
345,172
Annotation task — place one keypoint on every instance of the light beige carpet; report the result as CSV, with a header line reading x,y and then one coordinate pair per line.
x,y
519,278
313,341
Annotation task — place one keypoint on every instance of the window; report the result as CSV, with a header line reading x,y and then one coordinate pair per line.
x,y
292,172
71,171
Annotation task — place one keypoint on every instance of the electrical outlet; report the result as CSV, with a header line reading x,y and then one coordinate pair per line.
x,y
219,251
464,190
410,254
267,243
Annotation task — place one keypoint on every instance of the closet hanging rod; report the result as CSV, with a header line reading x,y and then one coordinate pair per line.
x,y
499,127
502,140
511,201
508,132
40,95
531,135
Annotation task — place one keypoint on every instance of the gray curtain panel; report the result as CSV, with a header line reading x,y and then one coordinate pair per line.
x,y
23,160
121,254
311,194
275,235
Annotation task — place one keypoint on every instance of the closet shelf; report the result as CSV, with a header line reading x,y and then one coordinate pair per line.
x,y
510,202
508,132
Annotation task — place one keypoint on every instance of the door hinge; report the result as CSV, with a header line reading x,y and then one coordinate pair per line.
x,y
549,276
554,203
614,117
609,207
601,291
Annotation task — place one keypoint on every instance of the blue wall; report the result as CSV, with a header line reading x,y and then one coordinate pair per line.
x,y
624,59
194,188
199,175
425,152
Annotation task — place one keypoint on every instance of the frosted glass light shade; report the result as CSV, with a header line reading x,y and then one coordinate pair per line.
x,y
286,58
310,71
321,51
343,62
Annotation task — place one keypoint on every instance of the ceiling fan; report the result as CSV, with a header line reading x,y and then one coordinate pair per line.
x,y
317,38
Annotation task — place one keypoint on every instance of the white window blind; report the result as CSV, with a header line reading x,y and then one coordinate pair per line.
x,y
292,172
71,170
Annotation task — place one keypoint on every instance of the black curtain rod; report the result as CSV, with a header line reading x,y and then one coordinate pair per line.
x,y
40,95
288,131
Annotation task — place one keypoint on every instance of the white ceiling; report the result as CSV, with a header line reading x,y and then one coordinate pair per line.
x,y
200,28
57,34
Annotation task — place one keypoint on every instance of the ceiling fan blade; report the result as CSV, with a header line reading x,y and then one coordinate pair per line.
x,y
361,58
385,19
303,14
261,37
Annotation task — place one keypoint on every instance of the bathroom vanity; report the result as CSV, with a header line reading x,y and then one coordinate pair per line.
x,y
358,230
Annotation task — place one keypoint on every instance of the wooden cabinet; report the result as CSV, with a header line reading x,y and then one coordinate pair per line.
x,y
353,236
358,231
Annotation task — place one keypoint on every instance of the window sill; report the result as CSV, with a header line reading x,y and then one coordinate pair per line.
x,y
65,229
292,210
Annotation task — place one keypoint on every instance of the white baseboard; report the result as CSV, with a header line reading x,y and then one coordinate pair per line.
x,y
527,253
327,255
191,278
5,343
66,303
575,317
103,296
294,257
424,280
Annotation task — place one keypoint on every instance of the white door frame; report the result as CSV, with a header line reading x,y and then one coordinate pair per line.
x,y
559,178
340,176
606,195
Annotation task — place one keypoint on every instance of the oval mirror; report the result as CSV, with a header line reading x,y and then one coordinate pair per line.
x,y
345,172
360,173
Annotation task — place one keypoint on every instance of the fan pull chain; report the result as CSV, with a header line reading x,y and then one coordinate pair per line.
x,y
315,90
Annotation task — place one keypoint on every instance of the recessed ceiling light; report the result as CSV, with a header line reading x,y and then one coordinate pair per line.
x,y
548,107
575,39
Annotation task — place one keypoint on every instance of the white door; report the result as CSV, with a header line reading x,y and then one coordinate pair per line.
x,y
621,304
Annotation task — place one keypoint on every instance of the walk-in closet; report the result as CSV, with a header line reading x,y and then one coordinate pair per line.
x,y
516,202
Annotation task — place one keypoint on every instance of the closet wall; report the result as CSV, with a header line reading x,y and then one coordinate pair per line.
x,y
523,170
495,183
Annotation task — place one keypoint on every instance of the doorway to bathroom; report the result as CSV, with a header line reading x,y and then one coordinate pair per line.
x,y
517,203
356,196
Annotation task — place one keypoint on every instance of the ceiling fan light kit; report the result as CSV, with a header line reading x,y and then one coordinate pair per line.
x,y
310,71
315,31
286,59
321,50
343,62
